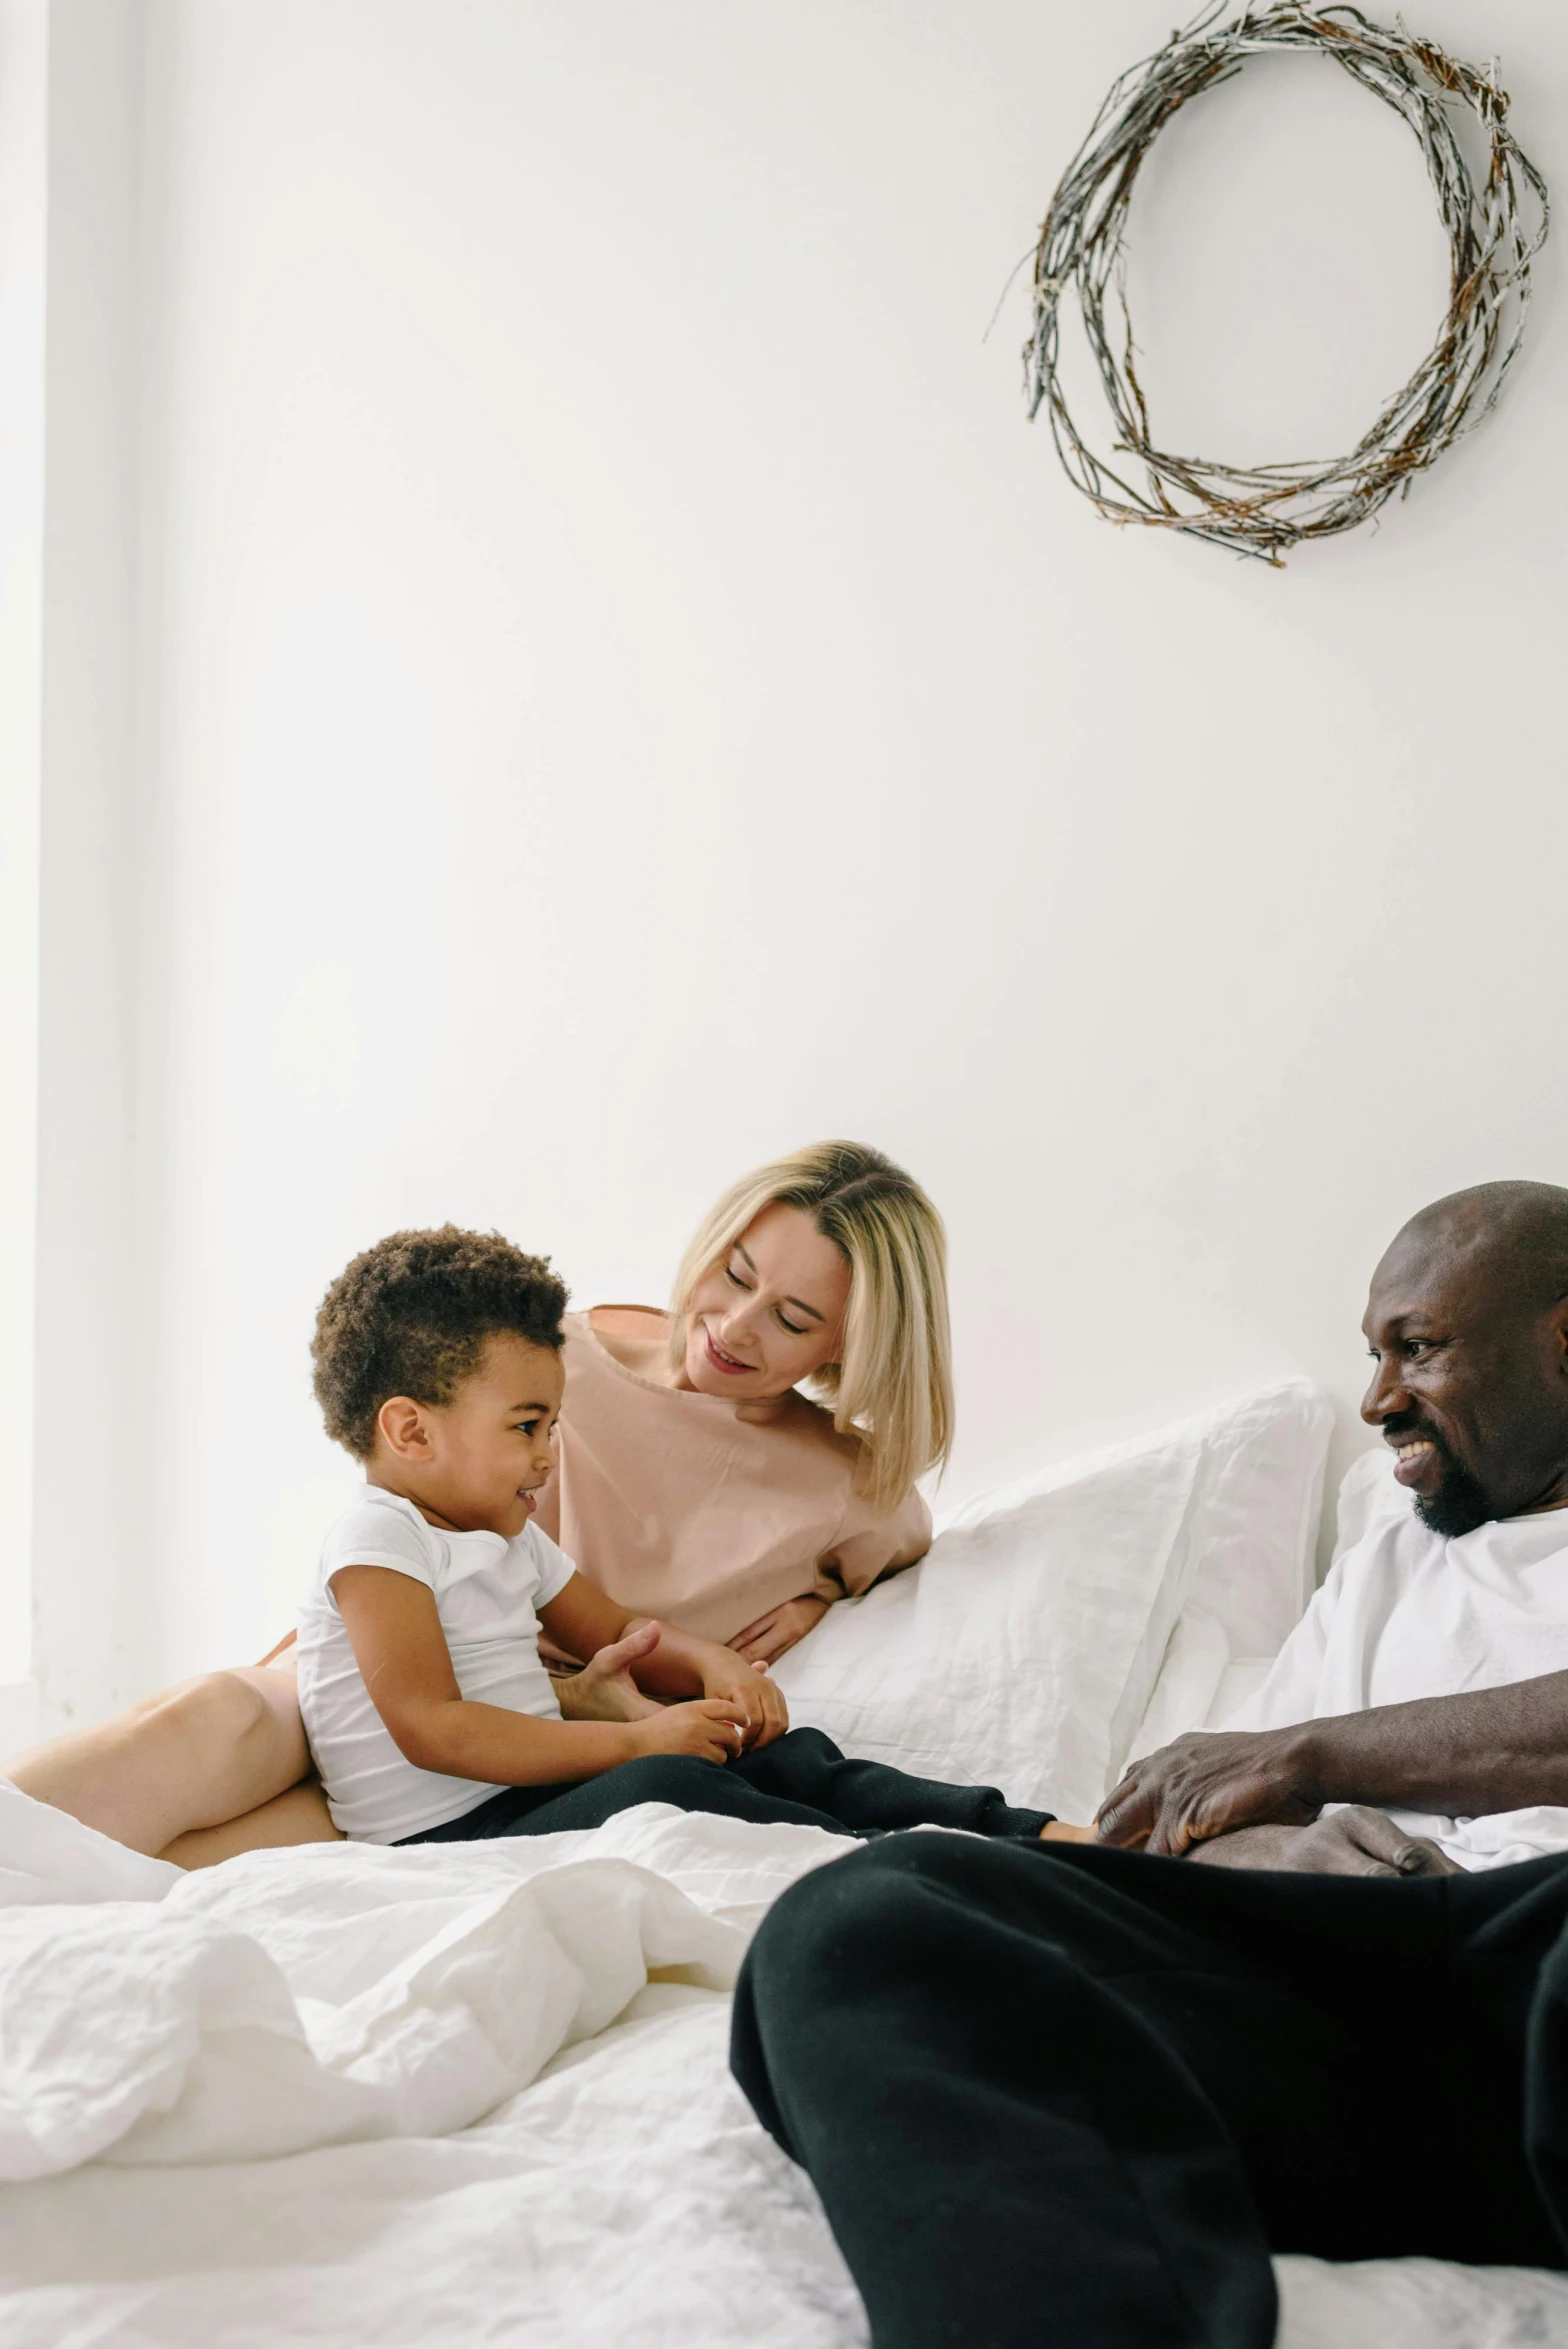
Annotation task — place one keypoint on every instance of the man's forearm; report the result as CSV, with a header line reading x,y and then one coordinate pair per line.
x,y
1491,1749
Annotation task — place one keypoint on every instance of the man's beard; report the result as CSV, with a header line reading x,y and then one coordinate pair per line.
x,y
1461,1502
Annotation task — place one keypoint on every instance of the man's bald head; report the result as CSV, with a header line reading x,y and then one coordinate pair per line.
x,y
1516,1233
1468,1320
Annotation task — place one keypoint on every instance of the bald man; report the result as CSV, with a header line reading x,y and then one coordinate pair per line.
x,y
1467,1324
1077,2093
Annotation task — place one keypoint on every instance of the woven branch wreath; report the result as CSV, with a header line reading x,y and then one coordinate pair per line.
x,y
1264,509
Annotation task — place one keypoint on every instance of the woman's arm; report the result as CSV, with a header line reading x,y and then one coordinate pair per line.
x,y
676,1664
869,1547
401,1650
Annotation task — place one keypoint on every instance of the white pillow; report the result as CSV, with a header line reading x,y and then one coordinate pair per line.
x,y
1023,1649
1368,1491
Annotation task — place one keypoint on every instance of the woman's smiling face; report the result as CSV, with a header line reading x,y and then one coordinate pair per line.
x,y
770,1313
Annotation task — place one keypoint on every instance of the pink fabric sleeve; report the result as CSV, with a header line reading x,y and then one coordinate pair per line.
x,y
871,1543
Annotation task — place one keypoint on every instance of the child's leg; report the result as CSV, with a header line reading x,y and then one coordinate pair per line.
x,y
800,1780
806,1767
678,1779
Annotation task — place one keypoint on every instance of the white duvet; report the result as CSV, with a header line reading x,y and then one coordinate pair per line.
x,y
452,2097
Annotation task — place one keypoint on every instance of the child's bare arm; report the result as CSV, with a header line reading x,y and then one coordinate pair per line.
x,y
402,1653
584,1620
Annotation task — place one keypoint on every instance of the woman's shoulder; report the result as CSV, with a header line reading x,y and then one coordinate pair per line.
x,y
642,1324
812,1426
629,1339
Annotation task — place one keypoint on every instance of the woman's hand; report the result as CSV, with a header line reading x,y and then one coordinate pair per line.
x,y
724,1674
710,1728
773,1634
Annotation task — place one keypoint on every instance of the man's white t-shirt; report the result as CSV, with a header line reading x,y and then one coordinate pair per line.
x,y
487,1590
1405,1613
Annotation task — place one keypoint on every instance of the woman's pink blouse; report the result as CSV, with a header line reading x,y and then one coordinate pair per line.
x,y
707,1512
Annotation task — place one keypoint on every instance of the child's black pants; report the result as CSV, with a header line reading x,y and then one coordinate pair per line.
x,y
800,1779
1069,2096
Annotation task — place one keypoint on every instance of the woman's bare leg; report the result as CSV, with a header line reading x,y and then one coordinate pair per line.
x,y
299,1815
195,1757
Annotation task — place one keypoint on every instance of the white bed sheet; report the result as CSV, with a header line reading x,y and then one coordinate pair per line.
x,y
626,2197
623,2194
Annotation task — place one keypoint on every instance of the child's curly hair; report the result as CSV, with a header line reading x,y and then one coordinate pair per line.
x,y
411,1316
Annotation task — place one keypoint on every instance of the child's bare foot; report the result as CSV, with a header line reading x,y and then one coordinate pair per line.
x,y
604,1689
1062,1831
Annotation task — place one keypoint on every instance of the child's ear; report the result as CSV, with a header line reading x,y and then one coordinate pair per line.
x,y
404,1428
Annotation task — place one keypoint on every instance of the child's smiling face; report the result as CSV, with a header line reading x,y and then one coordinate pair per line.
x,y
475,1463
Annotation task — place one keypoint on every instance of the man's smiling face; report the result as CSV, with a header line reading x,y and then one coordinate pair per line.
x,y
1471,1385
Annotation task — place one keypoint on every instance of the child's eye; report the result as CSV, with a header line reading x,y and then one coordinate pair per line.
x,y
526,1426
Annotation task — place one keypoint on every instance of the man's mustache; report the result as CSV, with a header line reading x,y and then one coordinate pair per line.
x,y
1415,1431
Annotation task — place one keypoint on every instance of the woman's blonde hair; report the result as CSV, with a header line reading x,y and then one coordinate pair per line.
x,y
894,1386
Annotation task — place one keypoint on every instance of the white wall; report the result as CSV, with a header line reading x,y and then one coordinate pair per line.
x,y
622,690
23,210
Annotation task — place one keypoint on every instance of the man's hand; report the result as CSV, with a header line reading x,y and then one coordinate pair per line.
x,y
773,1634
604,1689
1353,1842
1204,1785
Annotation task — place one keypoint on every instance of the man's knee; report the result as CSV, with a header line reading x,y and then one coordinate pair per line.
x,y
851,1919
844,1928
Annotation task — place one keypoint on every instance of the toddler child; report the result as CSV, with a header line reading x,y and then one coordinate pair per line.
x,y
429,1713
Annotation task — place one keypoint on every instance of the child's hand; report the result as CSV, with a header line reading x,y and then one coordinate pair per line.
x,y
710,1727
724,1674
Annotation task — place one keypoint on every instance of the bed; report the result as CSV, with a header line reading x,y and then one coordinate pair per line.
x,y
459,2096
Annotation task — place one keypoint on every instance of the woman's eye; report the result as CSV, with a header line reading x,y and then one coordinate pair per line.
x,y
731,1274
796,1329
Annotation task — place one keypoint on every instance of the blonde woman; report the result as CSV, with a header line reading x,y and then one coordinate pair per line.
x,y
697,1481
695,1478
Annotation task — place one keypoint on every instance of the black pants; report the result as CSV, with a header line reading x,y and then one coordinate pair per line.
x,y
800,1779
1066,2095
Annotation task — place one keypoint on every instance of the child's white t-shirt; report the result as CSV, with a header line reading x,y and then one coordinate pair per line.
x,y
486,1592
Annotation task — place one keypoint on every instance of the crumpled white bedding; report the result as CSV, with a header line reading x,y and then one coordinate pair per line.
x,y
220,2097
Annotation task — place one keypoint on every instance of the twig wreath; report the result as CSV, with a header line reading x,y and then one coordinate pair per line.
x,y
1263,510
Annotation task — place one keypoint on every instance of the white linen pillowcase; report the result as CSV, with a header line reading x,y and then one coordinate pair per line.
x,y
1023,1650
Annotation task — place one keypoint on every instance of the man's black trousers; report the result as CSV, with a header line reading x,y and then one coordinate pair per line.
x,y
1065,2095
